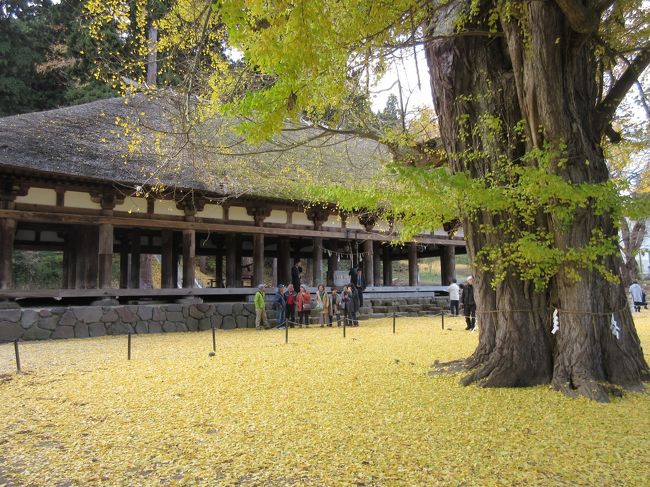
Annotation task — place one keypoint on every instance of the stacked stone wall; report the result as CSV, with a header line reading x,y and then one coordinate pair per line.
x,y
93,321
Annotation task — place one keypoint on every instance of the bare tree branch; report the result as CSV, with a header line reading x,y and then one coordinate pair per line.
x,y
615,96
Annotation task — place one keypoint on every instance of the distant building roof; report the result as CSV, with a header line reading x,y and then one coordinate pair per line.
x,y
140,141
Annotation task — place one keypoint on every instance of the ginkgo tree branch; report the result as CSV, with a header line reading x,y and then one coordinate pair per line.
x,y
582,19
614,97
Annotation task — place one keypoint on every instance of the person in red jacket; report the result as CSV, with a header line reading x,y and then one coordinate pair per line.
x,y
304,306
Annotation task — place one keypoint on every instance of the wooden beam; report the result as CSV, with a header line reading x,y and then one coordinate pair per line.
x,y
189,249
218,269
258,259
317,260
448,264
332,262
376,263
57,294
413,264
124,264
105,255
231,260
134,260
167,259
387,265
368,259
284,260
7,235
142,222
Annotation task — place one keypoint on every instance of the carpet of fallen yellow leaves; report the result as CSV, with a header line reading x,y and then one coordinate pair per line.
x,y
322,410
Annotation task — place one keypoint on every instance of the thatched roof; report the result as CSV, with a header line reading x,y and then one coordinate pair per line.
x,y
141,141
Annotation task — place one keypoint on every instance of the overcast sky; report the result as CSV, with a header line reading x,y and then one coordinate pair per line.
x,y
405,69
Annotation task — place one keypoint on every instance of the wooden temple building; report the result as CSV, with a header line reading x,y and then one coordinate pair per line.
x,y
71,182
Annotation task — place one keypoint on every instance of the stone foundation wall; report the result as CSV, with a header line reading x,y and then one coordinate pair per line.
x,y
93,321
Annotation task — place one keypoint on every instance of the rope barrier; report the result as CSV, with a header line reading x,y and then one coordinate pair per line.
x,y
550,310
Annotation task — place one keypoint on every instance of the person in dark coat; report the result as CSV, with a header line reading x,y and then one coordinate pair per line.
x,y
296,274
280,305
350,299
292,298
360,285
353,275
469,305
337,307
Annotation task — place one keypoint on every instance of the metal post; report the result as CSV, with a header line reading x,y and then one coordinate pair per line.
x,y
286,331
214,340
17,356
442,314
393,322
129,353
345,320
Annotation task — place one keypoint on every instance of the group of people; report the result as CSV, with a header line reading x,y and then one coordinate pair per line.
x,y
294,308
293,305
466,296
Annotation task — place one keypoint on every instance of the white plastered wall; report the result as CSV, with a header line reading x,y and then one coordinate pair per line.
x,y
300,218
212,211
276,216
133,204
38,196
239,213
77,199
167,208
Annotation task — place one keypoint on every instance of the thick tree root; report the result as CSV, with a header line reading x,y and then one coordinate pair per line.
x,y
499,371
447,368
588,388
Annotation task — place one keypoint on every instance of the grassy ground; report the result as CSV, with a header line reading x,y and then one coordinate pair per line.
x,y
322,410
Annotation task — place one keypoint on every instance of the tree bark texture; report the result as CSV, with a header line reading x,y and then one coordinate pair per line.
x,y
541,71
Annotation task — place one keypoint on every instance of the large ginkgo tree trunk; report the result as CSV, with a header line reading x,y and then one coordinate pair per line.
x,y
539,67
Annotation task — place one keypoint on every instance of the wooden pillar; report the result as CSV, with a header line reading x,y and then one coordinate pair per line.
x,y
79,256
332,262
105,255
124,263
448,264
317,260
296,246
90,250
239,282
134,261
167,259
388,266
146,271
258,259
218,268
65,284
413,264
368,259
284,260
318,216
231,260
376,263
189,249
176,257
7,235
